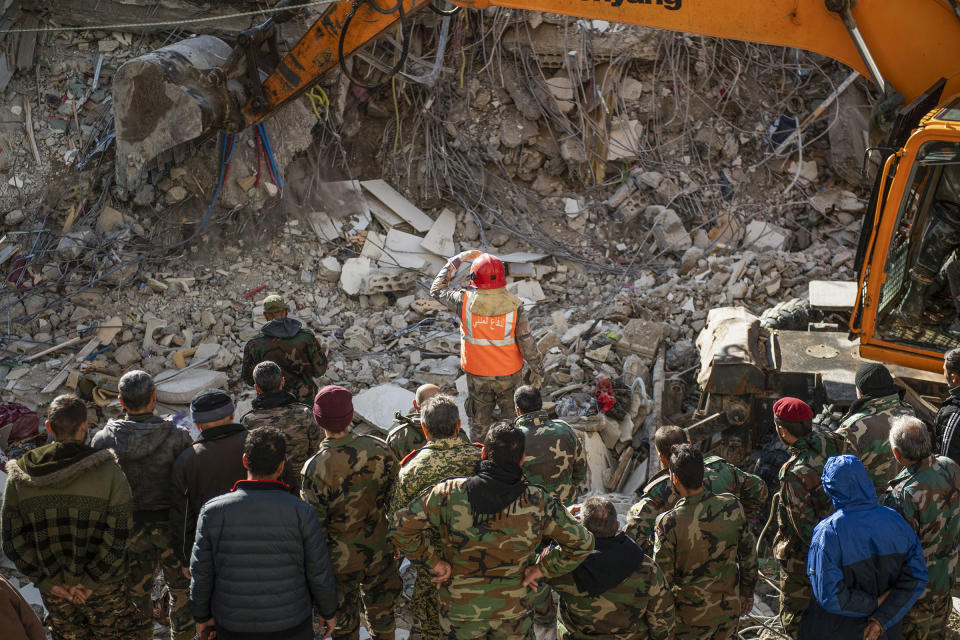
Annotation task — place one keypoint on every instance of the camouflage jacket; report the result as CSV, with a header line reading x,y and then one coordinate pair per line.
x,y
488,560
348,483
427,467
294,349
552,456
867,429
638,608
803,502
407,435
927,495
453,299
719,476
707,553
282,411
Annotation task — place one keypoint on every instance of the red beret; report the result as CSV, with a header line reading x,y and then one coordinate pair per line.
x,y
792,409
333,408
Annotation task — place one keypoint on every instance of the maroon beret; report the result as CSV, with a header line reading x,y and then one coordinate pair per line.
x,y
792,410
333,408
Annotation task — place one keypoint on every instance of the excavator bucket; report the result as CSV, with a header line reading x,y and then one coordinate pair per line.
x,y
165,98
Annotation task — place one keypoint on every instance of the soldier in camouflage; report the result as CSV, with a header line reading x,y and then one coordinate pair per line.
x,y
618,591
407,434
276,407
284,340
866,427
707,552
719,476
348,483
553,455
491,525
443,456
927,495
803,502
488,304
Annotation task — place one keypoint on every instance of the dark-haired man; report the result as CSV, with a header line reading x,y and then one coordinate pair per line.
x,y
76,557
948,417
660,495
706,550
803,502
259,534
553,455
276,407
618,591
443,456
147,447
491,525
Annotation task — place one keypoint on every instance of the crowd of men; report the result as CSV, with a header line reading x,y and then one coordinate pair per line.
x,y
287,522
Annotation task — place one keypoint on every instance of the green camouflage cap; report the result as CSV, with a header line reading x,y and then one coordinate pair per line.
x,y
274,304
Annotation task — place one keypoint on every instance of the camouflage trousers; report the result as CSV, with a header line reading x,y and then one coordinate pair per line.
x,y
796,594
426,606
487,393
108,613
544,605
376,589
927,618
717,622
149,549
496,629
305,391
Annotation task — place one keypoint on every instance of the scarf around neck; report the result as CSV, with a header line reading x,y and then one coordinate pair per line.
x,y
612,561
492,488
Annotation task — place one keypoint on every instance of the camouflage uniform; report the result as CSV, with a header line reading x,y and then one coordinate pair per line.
x,y
348,483
927,495
485,596
300,359
719,476
706,550
420,470
803,504
107,613
407,434
149,548
294,419
639,608
553,456
487,392
867,429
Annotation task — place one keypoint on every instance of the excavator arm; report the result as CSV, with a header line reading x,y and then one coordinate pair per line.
x,y
178,93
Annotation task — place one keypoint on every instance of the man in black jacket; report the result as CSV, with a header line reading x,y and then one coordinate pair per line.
x,y
147,446
260,563
946,424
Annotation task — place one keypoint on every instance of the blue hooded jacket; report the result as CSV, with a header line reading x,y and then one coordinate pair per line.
x,y
857,554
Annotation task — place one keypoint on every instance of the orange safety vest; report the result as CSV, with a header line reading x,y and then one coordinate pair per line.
x,y
488,344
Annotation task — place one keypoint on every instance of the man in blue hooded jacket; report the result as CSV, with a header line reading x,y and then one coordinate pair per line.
x,y
865,563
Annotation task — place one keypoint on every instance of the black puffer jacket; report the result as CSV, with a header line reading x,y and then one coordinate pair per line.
x,y
260,563
946,427
146,446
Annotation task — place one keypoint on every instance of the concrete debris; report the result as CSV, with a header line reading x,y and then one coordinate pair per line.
x,y
179,387
669,232
439,239
766,236
528,290
402,207
377,404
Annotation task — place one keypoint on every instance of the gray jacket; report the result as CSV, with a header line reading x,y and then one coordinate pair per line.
x,y
259,562
146,446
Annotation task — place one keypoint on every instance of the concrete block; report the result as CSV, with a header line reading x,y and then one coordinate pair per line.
x,y
439,239
832,295
669,232
527,290
353,273
384,280
377,405
373,247
766,236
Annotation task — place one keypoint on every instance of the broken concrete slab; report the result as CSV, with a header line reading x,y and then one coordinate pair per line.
x,y
373,245
403,250
353,272
377,405
527,290
398,204
766,236
624,140
179,387
835,198
669,232
439,239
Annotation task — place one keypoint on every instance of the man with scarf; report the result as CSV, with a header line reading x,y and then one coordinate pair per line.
x,y
946,434
866,427
706,550
491,525
276,407
618,591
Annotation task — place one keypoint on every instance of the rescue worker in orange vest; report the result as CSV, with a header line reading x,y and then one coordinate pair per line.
x,y
495,338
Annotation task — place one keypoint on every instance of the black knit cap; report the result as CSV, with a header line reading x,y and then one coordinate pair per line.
x,y
211,405
874,380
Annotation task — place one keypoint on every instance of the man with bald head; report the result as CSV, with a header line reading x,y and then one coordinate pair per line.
x,y
407,434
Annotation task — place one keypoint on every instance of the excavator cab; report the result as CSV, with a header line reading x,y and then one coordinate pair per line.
x,y
908,303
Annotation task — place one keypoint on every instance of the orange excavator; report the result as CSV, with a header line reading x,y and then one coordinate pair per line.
x,y
907,309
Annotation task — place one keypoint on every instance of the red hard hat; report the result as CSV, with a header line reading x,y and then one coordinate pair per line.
x,y
487,272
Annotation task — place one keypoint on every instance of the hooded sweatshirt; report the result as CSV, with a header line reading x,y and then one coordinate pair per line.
x,y
66,516
294,349
146,446
857,554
